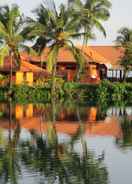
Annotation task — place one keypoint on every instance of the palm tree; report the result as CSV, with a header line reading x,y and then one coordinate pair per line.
x,y
124,40
55,28
89,14
124,37
12,35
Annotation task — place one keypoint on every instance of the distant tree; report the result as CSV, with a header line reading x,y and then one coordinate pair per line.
x,y
124,40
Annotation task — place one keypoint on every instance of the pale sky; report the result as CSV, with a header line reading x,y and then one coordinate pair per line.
x,y
121,15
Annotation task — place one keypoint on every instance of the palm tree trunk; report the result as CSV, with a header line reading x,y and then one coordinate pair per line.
x,y
10,121
11,70
53,91
82,131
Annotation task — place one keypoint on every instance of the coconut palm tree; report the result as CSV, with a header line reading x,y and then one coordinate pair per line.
x,y
124,40
89,14
55,29
12,35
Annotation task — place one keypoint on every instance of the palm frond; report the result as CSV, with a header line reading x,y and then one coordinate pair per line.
x,y
13,15
4,51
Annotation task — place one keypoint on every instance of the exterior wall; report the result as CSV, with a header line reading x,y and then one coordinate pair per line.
x,y
24,77
29,78
19,78
91,73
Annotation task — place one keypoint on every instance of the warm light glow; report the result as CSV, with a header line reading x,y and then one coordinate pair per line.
x,y
93,71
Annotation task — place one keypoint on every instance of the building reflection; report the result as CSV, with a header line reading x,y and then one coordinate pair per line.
x,y
35,117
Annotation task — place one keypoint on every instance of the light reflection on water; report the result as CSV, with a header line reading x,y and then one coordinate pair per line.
x,y
65,143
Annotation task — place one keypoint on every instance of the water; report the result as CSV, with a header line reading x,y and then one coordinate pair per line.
x,y
65,144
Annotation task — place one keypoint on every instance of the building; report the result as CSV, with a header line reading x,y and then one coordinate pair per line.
x,y
101,62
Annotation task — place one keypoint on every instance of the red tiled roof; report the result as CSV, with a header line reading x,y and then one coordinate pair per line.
x,y
111,53
95,56
24,66
66,56
63,56
99,54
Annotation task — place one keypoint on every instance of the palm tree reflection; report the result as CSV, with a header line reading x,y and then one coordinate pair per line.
x,y
44,154
60,162
126,126
9,158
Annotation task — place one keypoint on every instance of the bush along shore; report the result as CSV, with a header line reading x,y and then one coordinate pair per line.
x,y
104,93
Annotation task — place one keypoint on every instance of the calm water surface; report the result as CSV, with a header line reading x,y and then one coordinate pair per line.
x,y
65,144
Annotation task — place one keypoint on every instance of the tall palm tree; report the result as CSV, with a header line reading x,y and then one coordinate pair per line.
x,y
58,27
124,40
55,28
89,14
12,35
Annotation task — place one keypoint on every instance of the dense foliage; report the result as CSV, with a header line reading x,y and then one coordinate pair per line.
x,y
104,93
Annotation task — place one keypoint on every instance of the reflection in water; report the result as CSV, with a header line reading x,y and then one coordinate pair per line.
x,y
47,143
126,126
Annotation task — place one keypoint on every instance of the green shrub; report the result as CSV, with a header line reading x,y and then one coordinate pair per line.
x,y
80,91
103,95
47,83
43,82
119,91
128,93
4,80
23,93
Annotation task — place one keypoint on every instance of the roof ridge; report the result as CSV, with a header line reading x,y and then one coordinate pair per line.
x,y
93,52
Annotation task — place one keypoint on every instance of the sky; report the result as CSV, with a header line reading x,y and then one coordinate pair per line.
x,y
121,13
